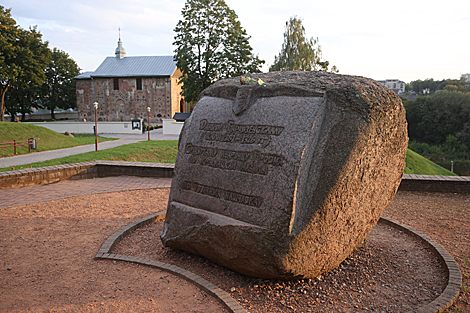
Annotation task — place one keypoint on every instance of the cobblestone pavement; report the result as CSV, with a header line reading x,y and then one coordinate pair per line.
x,y
67,188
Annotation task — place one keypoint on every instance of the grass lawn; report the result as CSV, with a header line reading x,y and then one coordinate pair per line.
x,y
417,164
166,151
46,138
144,151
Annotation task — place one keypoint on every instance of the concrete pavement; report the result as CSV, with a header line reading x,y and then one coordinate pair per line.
x,y
156,134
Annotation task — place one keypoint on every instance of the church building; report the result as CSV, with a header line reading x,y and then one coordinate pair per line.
x,y
125,87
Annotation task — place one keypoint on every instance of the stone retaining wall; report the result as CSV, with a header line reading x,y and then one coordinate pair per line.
x,y
85,170
412,182
50,174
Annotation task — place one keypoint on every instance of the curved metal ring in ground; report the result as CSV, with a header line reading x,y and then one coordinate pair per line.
x,y
439,304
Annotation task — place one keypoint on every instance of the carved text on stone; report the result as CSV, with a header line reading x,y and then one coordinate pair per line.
x,y
223,194
253,162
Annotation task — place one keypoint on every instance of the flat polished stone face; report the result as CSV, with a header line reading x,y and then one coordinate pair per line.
x,y
285,180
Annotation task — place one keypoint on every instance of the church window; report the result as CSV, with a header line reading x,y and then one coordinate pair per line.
x,y
116,83
138,83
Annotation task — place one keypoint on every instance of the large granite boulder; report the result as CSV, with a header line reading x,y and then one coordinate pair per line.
x,y
285,180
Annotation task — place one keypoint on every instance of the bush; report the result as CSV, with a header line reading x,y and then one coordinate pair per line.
x,y
152,127
452,149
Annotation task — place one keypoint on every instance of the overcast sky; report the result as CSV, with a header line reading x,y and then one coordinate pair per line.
x,y
402,39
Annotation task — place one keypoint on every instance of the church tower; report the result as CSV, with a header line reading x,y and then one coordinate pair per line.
x,y
120,51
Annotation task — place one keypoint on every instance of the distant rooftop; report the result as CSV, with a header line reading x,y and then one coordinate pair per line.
x,y
181,117
133,67
136,66
124,66
84,75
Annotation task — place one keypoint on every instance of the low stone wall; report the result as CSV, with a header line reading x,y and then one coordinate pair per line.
x,y
85,170
50,174
88,127
172,127
412,182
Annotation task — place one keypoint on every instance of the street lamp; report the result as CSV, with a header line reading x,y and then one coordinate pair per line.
x,y
96,126
148,124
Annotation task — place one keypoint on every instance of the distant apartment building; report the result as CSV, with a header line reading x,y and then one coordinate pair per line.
x,y
125,87
395,85
467,77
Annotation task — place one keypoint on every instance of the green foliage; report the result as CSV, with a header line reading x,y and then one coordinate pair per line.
x,y
451,149
298,52
211,45
48,139
433,118
23,56
436,85
416,164
148,127
451,88
20,101
59,88
145,151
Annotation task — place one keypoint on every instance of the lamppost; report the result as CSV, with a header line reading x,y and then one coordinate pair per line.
x,y
96,126
148,124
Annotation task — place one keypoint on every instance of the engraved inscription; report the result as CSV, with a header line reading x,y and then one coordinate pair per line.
x,y
223,194
253,162
239,133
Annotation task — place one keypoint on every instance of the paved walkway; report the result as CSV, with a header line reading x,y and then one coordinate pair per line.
x,y
68,188
156,134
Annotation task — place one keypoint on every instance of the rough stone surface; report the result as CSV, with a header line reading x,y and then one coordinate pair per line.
x,y
285,181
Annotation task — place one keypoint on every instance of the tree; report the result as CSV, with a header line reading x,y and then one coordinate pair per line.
x,y
298,52
211,45
59,88
433,86
21,101
23,56
433,118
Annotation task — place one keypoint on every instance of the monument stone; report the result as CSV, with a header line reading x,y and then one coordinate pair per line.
x,y
284,180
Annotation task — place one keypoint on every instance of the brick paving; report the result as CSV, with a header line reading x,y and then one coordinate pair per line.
x,y
68,188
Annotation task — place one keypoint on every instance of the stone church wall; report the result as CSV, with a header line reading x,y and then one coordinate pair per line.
x,y
161,94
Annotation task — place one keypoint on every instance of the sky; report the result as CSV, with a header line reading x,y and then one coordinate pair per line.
x,y
400,39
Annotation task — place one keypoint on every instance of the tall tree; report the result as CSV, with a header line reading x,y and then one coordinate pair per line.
x,y
59,88
211,45
298,52
23,56
21,101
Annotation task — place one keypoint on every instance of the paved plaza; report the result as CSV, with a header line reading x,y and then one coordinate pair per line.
x,y
69,188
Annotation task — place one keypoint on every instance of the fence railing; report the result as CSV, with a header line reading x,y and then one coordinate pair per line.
x,y
31,143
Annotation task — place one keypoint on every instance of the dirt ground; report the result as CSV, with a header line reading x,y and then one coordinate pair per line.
x,y
47,265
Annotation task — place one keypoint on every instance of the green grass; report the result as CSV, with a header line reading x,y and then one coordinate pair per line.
x,y
46,138
166,151
417,164
144,151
